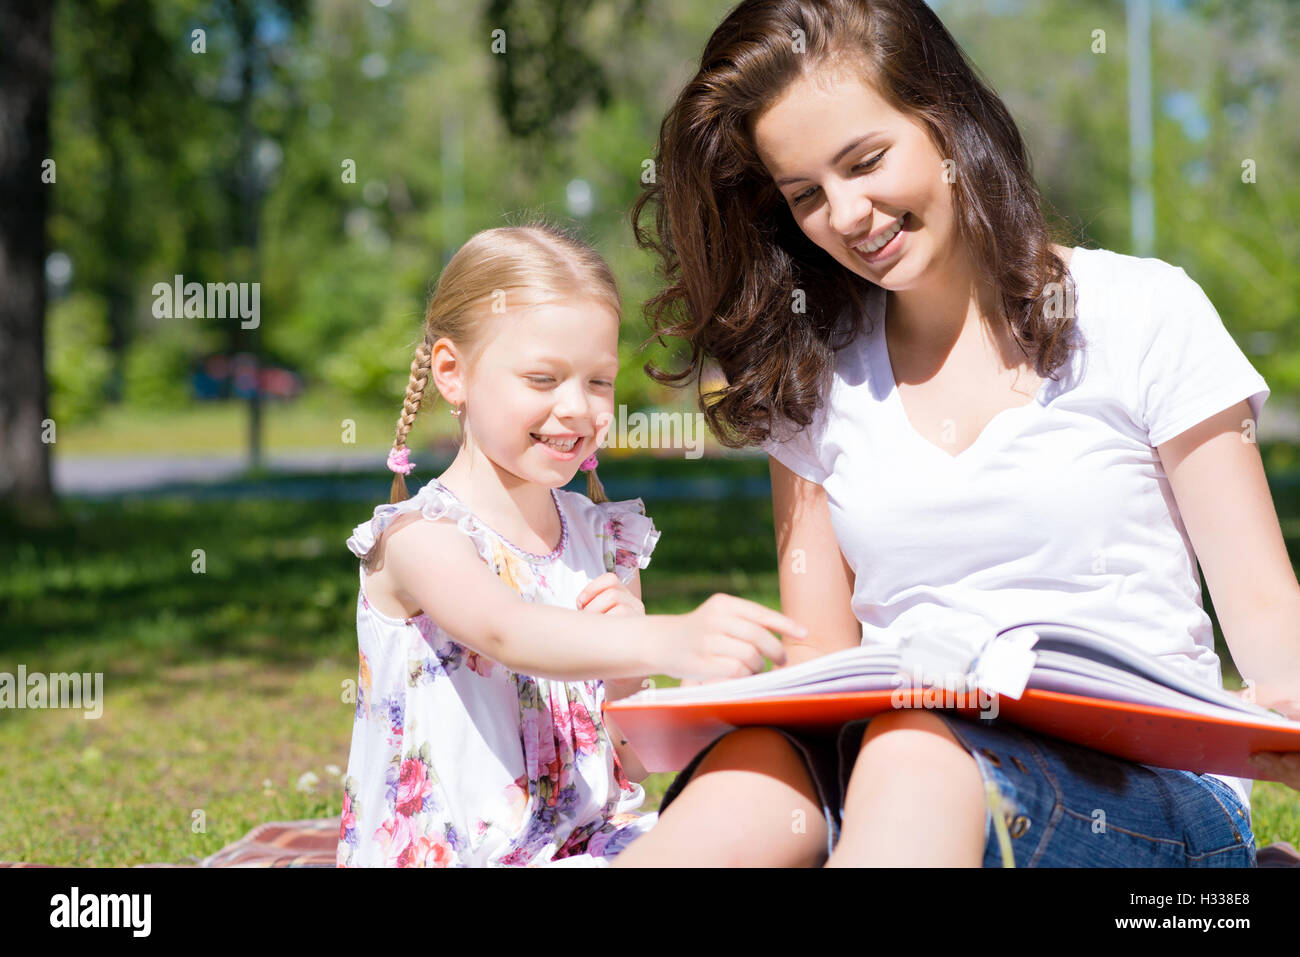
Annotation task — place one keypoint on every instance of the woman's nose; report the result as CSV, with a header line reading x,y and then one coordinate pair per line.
x,y
850,211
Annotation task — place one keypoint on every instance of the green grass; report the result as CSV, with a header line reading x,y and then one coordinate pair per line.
x,y
216,683
222,689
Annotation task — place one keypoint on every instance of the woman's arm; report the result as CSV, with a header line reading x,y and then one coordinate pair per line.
x,y
1218,480
815,579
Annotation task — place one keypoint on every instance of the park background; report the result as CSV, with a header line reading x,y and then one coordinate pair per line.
x,y
222,155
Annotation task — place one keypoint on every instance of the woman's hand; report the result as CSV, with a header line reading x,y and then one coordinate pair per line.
x,y
1281,693
607,595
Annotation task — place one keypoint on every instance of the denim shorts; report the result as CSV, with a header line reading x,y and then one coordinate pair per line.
x,y
1060,804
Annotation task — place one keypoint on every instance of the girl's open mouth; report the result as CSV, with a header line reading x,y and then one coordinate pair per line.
x,y
562,450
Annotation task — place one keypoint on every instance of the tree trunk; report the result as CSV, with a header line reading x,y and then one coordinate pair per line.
x,y
25,76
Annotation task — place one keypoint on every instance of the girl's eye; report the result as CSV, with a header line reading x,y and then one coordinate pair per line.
x,y
864,166
544,379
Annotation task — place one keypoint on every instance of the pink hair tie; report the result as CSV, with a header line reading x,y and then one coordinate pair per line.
x,y
588,463
399,460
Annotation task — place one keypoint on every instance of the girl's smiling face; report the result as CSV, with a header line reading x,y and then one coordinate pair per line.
x,y
854,171
546,377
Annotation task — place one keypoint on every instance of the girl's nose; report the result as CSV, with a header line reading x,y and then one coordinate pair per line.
x,y
850,211
570,402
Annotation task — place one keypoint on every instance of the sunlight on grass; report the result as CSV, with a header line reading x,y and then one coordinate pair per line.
x,y
220,682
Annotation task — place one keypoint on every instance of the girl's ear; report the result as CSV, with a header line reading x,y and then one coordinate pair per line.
x,y
447,370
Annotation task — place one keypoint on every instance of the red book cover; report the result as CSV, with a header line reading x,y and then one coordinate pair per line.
x,y
666,735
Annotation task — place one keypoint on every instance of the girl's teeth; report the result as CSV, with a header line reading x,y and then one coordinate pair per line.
x,y
558,446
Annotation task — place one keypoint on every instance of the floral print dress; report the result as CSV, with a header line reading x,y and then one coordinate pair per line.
x,y
456,761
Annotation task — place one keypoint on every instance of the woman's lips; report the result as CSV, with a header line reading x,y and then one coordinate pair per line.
x,y
889,249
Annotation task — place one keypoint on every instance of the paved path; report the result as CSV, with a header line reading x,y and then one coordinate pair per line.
x,y
336,473
353,476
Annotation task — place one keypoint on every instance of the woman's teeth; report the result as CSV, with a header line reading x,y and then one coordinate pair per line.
x,y
560,446
893,231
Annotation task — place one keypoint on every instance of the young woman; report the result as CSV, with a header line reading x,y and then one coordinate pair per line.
x,y
967,423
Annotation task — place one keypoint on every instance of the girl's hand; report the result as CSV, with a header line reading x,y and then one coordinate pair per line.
x,y
607,595
1281,693
726,637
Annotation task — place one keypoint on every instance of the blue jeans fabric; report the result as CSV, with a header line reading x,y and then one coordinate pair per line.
x,y
1062,805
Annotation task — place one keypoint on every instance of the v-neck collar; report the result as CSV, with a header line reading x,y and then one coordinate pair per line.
x,y
883,373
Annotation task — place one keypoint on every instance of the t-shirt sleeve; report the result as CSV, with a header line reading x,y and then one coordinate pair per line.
x,y
799,450
1189,366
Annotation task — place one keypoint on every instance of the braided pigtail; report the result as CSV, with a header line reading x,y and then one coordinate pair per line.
x,y
399,458
595,491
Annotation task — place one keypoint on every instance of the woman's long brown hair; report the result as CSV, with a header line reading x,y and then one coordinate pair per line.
x,y
733,256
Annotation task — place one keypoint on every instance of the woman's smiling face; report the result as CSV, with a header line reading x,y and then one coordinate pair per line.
x,y
855,171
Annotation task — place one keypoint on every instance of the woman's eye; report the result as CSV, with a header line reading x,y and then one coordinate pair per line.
x,y
603,382
865,166
869,163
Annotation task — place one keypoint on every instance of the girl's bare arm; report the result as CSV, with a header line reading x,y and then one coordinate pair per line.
x,y
437,567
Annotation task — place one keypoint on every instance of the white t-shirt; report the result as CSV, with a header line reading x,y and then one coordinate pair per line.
x,y
1060,510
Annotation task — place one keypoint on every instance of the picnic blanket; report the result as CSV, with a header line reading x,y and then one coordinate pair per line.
x,y
308,843
313,843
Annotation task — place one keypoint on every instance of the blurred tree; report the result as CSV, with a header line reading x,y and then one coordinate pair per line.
x,y
543,70
26,176
340,151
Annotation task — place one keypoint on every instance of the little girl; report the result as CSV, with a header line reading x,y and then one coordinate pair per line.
x,y
479,735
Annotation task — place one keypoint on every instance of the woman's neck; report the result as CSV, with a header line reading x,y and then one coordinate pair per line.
x,y
930,319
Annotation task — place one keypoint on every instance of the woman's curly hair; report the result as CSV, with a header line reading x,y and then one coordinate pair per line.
x,y
735,260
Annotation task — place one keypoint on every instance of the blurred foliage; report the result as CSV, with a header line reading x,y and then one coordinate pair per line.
x,y
1226,89
79,362
229,164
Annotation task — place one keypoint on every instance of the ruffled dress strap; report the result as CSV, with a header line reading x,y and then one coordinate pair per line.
x,y
627,536
435,502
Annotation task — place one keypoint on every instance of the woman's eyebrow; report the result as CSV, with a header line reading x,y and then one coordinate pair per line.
x,y
848,148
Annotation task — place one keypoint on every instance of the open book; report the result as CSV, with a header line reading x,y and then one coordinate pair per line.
x,y
1056,679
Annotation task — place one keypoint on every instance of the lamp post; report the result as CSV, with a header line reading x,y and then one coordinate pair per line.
x,y
1142,197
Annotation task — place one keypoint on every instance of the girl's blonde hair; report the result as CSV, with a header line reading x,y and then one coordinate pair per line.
x,y
529,265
